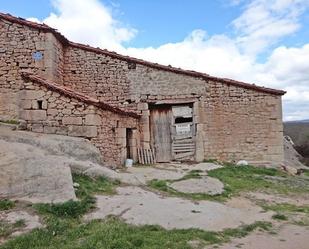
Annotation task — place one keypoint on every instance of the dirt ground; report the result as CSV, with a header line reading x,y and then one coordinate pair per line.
x,y
287,237
140,206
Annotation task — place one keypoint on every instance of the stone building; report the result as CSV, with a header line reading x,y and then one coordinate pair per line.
x,y
122,104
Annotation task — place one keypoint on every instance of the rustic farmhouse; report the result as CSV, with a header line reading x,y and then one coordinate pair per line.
x,y
126,106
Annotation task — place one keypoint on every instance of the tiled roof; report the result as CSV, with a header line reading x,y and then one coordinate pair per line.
x,y
76,95
65,41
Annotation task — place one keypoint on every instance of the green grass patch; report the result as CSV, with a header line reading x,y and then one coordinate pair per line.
x,y
279,217
6,204
69,209
90,186
112,233
6,228
306,172
11,121
287,208
237,179
210,160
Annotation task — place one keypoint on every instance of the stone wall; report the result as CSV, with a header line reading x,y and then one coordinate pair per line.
x,y
47,111
233,122
18,43
97,75
240,124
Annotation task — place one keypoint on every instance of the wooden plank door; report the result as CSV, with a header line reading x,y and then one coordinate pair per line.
x,y
160,125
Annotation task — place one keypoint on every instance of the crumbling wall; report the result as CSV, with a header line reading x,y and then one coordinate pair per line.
x,y
47,111
18,46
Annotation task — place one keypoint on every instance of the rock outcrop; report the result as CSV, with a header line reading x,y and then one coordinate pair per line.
x,y
37,167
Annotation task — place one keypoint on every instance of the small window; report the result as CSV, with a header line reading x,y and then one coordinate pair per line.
x,y
180,120
40,104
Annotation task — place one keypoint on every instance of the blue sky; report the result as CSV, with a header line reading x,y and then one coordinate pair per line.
x,y
158,21
260,41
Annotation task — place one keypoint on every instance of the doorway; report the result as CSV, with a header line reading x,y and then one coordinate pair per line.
x,y
172,132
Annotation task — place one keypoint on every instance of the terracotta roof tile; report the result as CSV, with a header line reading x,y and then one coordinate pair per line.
x,y
66,42
76,95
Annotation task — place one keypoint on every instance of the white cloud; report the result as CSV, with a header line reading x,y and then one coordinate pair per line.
x,y
264,22
90,22
258,28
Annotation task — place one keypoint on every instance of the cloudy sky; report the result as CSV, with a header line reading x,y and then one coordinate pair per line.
x,y
265,42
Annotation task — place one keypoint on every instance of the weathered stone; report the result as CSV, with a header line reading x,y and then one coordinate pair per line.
x,y
25,104
82,131
33,115
32,94
206,184
50,129
37,128
93,119
72,120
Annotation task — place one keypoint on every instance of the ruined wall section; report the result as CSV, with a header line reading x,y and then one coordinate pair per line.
x,y
18,43
59,114
240,123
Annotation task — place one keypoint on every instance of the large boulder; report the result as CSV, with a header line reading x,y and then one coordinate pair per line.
x,y
27,174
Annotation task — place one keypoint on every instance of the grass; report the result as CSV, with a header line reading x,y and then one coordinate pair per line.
x,y
279,217
287,208
88,187
237,179
64,228
69,209
284,211
14,122
6,204
6,228
306,172
112,233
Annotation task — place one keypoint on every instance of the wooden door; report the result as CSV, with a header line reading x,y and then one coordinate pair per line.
x,y
160,125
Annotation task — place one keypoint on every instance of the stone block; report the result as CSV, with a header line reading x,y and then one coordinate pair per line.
x,y
142,106
72,121
37,128
52,112
121,132
50,129
62,130
32,94
25,104
93,119
33,115
82,131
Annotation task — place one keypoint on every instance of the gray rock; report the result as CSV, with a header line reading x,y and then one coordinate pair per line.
x,y
27,174
242,163
206,184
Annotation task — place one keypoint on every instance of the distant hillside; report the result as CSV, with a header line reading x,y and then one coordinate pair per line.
x,y
299,132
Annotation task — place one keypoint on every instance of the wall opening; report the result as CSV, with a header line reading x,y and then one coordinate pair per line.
x,y
129,138
180,120
40,104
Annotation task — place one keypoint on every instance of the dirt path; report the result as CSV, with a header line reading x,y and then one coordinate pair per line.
x,y
288,237
140,207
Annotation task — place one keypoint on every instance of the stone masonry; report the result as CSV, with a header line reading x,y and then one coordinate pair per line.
x,y
234,120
